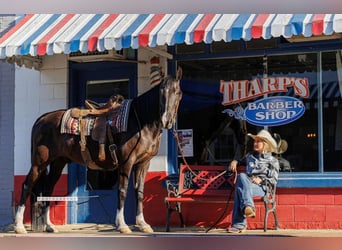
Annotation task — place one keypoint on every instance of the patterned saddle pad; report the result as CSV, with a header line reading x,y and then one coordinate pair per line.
x,y
71,125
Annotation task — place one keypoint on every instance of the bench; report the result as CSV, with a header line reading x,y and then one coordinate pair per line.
x,y
208,184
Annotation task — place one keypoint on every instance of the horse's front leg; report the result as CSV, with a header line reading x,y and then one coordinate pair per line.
x,y
140,175
120,222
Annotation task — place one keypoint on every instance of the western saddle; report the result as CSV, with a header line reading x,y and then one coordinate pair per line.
x,y
101,113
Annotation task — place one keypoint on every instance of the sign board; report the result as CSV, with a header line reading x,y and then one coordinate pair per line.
x,y
186,142
267,111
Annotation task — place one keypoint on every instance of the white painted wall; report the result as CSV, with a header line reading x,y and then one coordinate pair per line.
x,y
38,92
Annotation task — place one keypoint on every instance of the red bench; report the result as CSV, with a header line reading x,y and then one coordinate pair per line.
x,y
208,184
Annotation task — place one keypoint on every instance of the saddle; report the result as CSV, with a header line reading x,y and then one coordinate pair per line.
x,y
101,114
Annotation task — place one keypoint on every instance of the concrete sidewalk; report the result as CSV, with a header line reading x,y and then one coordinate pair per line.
x,y
105,230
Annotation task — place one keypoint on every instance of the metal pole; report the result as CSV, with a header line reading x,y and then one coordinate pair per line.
x,y
265,75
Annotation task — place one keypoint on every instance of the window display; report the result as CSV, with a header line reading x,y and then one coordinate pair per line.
x,y
299,95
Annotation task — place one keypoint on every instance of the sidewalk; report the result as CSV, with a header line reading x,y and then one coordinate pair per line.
x,y
105,237
105,230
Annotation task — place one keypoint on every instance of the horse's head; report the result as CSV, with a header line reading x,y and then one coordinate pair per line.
x,y
170,96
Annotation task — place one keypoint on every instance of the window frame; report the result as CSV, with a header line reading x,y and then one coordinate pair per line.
x,y
319,179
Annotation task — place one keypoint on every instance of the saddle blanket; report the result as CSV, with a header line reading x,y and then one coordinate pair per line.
x,y
71,125
120,121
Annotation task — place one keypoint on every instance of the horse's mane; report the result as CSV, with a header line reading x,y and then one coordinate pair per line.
x,y
147,105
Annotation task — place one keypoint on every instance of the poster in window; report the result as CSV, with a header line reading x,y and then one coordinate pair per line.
x,y
186,142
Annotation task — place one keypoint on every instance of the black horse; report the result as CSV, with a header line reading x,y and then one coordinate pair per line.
x,y
149,113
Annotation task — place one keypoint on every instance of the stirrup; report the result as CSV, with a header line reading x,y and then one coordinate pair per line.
x,y
112,150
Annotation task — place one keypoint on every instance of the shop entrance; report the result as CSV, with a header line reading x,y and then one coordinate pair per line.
x,y
96,190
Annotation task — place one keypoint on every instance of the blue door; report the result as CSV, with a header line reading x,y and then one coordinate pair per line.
x,y
96,192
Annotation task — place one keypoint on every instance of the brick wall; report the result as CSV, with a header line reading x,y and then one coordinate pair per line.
x,y
297,208
6,132
310,208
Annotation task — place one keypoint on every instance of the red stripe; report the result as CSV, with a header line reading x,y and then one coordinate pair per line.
x,y
16,27
317,24
42,44
92,41
145,33
257,25
200,28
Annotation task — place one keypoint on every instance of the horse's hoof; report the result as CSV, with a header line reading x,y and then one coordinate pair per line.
x,y
125,230
146,229
20,230
50,229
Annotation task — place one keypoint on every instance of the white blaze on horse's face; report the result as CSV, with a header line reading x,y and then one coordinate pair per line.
x,y
171,95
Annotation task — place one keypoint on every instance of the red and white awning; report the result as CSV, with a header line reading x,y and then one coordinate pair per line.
x,y
48,34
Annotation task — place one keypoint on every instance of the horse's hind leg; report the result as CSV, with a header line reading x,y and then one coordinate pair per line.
x,y
26,190
56,168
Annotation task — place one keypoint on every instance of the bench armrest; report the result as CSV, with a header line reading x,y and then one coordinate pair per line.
x,y
270,191
172,188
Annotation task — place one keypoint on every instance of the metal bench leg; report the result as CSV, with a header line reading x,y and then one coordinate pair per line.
x,y
169,212
168,215
266,217
180,215
276,219
269,210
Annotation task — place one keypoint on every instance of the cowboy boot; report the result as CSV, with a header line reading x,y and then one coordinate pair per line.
x,y
102,153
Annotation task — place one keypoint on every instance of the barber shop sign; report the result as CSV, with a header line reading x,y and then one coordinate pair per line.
x,y
268,111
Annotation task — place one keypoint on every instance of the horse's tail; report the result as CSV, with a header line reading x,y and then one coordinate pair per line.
x,y
39,186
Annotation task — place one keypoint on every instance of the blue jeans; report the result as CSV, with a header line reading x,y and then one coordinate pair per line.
x,y
245,190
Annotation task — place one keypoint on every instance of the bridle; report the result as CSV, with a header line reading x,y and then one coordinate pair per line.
x,y
162,99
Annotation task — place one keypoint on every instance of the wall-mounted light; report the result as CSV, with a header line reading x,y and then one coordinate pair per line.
x,y
311,135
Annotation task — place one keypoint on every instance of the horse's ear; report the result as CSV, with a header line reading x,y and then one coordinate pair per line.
x,y
179,73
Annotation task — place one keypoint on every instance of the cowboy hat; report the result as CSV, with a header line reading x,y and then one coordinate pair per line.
x,y
281,144
265,136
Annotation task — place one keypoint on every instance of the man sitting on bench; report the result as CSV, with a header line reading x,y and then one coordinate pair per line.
x,y
261,167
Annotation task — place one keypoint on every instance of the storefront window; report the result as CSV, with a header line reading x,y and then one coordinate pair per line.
x,y
314,139
302,134
332,110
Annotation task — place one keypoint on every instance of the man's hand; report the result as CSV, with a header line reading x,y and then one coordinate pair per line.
x,y
233,165
256,180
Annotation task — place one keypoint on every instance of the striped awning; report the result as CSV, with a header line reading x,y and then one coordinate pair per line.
x,y
48,34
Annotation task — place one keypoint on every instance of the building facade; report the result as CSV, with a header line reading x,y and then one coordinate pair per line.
x,y
57,61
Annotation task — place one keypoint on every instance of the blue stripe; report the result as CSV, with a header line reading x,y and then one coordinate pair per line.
x,y
307,31
127,35
237,27
329,29
268,34
75,41
25,47
297,23
181,31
